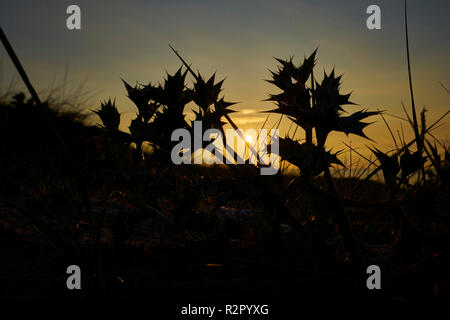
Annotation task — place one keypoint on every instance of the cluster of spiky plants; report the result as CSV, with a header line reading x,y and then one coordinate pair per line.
x,y
316,107
161,109
403,163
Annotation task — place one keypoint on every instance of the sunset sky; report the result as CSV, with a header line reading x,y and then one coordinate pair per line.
x,y
238,39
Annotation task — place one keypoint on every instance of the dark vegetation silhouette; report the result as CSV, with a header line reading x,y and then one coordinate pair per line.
x,y
139,226
114,202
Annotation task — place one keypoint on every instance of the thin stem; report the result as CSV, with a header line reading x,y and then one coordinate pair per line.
x,y
30,87
413,106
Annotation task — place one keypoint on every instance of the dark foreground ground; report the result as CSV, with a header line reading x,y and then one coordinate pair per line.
x,y
162,237
164,276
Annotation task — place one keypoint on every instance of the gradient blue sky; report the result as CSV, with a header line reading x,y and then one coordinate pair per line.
x,y
238,40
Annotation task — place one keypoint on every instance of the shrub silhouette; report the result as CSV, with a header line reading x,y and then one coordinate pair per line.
x,y
318,108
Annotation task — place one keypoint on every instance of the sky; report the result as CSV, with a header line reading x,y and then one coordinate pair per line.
x,y
238,40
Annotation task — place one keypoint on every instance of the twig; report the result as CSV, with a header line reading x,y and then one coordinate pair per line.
x,y
30,87
389,128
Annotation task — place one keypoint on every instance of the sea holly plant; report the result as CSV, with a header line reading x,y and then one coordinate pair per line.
x,y
161,109
317,107
306,157
313,106
109,115
390,168
212,109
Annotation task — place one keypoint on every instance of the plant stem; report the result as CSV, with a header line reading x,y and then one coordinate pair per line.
x,y
308,129
30,87
413,106
341,220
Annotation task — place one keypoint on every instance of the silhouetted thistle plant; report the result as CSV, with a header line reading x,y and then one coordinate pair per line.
x,y
211,108
318,108
162,109
390,168
109,115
